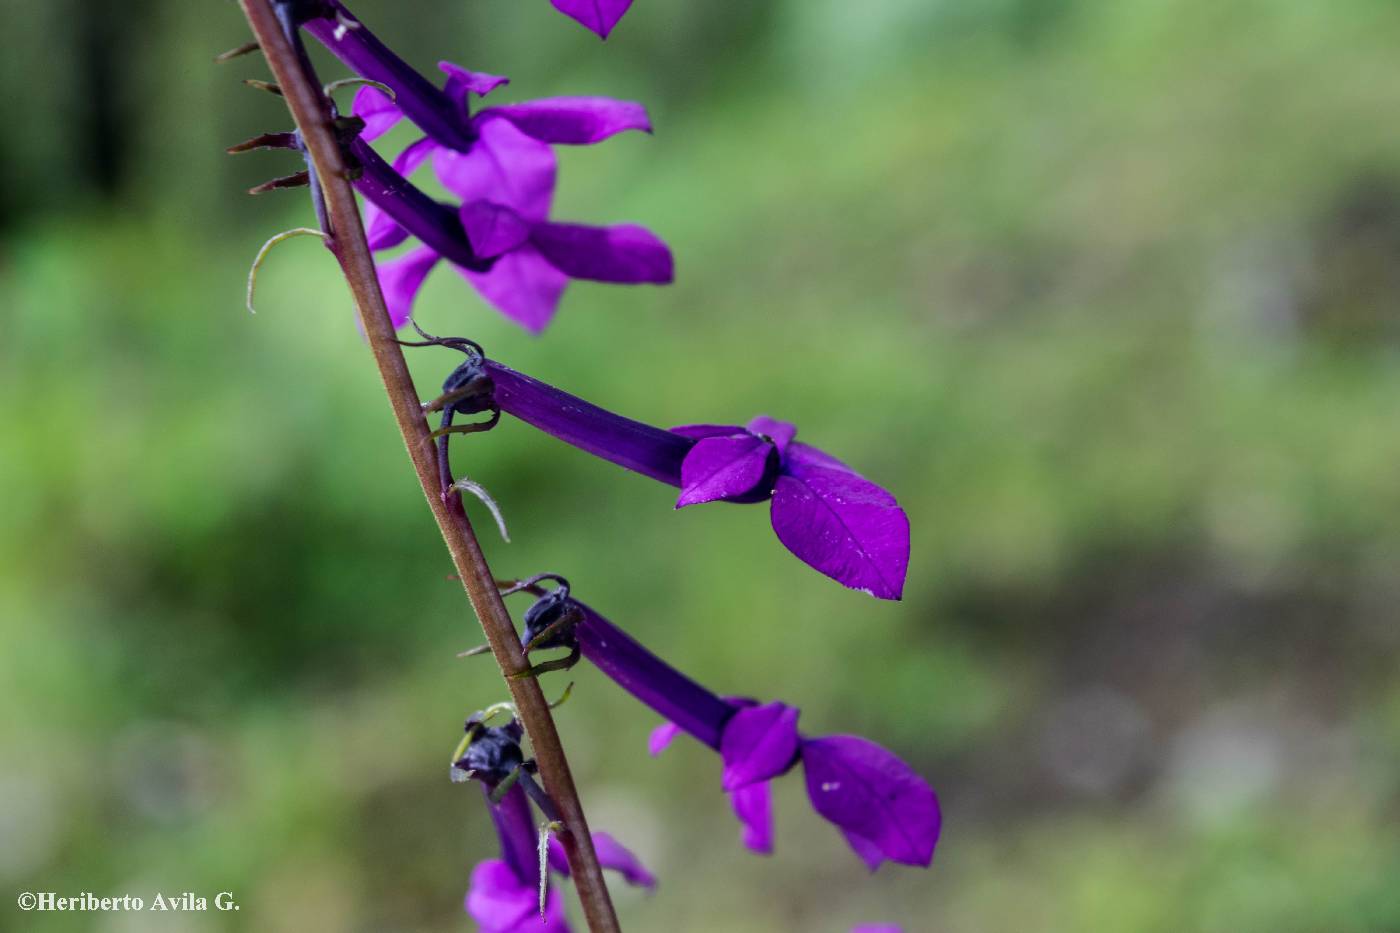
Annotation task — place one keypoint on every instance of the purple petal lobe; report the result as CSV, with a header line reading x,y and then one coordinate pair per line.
x,y
759,743
613,854
381,230
723,467
661,738
379,112
522,286
401,279
780,433
460,80
501,903
753,805
869,852
698,431
407,162
505,166
492,229
886,810
841,523
577,121
598,15
625,253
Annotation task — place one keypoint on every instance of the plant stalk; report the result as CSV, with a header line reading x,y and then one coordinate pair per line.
x,y
346,241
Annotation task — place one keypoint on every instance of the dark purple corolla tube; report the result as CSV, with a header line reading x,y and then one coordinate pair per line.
x,y
504,893
436,225
883,808
828,515
360,50
630,444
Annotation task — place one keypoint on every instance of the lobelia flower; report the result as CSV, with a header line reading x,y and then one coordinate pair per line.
x,y
824,512
598,15
499,164
883,808
506,186
504,894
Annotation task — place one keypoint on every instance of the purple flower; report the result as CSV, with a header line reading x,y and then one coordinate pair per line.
x,y
501,238
504,895
598,15
498,163
883,808
501,902
831,517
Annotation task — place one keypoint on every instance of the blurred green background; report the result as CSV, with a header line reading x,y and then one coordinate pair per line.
x,y
1107,293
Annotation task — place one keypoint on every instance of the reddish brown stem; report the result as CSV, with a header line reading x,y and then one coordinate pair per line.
x,y
312,114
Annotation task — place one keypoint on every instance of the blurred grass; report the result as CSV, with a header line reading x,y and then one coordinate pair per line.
x,y
1105,293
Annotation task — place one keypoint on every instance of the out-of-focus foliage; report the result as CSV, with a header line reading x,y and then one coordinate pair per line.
x,y
1108,293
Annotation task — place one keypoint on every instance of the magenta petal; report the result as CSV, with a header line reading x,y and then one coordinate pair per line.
x,y
759,743
753,805
505,166
576,121
841,523
869,852
381,230
884,807
625,253
492,229
401,279
780,433
554,921
661,738
723,468
407,162
379,112
500,903
522,286
598,15
613,854
461,80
